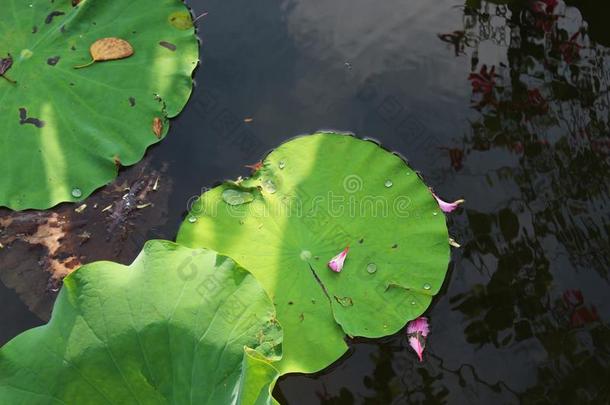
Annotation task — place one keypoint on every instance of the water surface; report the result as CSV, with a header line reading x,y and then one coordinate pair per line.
x,y
504,106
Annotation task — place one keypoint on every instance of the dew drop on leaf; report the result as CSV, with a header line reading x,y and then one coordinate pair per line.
x,y
305,255
237,197
269,186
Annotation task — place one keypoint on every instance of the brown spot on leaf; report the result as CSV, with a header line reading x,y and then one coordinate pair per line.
x,y
75,3
168,45
52,15
23,119
157,127
53,61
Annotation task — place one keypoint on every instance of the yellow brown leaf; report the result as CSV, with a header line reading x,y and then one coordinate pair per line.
x,y
108,49
157,127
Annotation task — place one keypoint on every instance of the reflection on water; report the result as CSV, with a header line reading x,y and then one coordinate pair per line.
x,y
505,105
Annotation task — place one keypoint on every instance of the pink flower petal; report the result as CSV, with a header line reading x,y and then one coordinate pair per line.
x,y
447,207
417,331
336,263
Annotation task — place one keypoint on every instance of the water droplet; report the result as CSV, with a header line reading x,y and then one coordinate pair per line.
x,y
413,302
435,213
236,197
305,255
427,286
388,183
282,164
371,268
192,219
269,186
77,193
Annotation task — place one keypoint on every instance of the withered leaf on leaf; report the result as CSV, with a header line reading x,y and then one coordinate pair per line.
x,y
106,49
5,65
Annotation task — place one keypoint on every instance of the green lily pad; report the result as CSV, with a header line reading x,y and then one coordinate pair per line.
x,y
314,196
64,130
177,326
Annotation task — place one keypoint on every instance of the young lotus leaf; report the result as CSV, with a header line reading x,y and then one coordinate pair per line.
x,y
64,129
313,197
178,326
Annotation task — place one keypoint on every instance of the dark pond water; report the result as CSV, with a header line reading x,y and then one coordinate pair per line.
x,y
505,106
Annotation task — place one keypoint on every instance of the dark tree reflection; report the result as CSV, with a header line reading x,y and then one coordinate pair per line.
x,y
548,107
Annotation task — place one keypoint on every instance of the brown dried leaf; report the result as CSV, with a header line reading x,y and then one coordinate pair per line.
x,y
157,127
110,49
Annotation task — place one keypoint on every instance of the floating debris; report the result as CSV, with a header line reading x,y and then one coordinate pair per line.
x,y
417,332
453,243
80,209
448,207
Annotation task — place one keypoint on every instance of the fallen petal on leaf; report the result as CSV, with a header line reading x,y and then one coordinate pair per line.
x,y
417,331
336,263
448,207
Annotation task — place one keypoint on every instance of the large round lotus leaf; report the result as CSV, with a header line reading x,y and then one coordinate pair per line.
x,y
64,130
314,196
171,328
